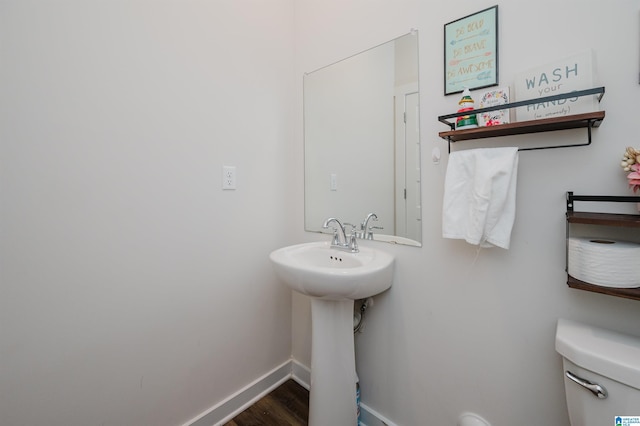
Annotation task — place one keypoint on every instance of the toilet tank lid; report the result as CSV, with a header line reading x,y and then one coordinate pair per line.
x,y
605,352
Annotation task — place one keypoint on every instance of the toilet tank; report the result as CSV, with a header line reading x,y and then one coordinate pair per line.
x,y
607,364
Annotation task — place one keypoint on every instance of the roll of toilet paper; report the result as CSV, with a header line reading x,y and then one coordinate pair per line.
x,y
608,263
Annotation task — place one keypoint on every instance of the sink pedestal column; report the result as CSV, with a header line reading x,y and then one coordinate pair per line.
x,y
332,398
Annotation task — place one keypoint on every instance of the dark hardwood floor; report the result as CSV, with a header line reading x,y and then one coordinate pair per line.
x,y
287,405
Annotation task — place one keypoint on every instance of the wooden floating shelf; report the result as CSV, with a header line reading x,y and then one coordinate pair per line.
x,y
627,293
577,121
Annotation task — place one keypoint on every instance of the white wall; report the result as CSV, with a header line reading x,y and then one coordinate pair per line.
x,y
133,290
456,333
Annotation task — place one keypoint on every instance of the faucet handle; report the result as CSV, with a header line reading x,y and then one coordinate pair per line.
x,y
354,230
336,238
337,230
353,238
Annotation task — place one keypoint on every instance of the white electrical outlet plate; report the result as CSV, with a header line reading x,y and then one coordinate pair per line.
x,y
228,177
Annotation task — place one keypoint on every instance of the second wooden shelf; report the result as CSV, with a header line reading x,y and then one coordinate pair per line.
x,y
627,293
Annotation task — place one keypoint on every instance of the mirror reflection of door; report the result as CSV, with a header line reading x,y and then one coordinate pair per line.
x,y
408,215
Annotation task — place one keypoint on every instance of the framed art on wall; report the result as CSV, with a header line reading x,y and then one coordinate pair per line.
x,y
471,52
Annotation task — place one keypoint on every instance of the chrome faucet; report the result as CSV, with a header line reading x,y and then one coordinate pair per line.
x,y
340,240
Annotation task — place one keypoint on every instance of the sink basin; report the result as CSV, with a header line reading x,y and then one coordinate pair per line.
x,y
317,270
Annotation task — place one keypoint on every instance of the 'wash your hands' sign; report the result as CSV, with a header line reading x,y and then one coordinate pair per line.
x,y
575,72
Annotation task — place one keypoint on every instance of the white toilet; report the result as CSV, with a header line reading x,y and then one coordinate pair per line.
x,y
601,373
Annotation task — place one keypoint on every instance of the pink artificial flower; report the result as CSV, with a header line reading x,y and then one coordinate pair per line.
x,y
634,177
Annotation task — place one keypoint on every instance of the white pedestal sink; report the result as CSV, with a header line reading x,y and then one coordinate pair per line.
x,y
334,279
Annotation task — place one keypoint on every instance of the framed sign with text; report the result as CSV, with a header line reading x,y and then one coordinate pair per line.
x,y
471,52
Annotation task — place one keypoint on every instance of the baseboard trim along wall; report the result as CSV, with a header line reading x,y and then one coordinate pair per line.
x,y
370,417
247,396
244,398
301,374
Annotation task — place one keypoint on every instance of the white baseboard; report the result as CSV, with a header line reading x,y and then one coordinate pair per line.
x,y
244,398
370,417
247,396
301,374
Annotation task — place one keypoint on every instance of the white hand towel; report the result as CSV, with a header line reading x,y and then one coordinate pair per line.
x,y
479,203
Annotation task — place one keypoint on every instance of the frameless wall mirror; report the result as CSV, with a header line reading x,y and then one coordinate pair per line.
x,y
362,142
